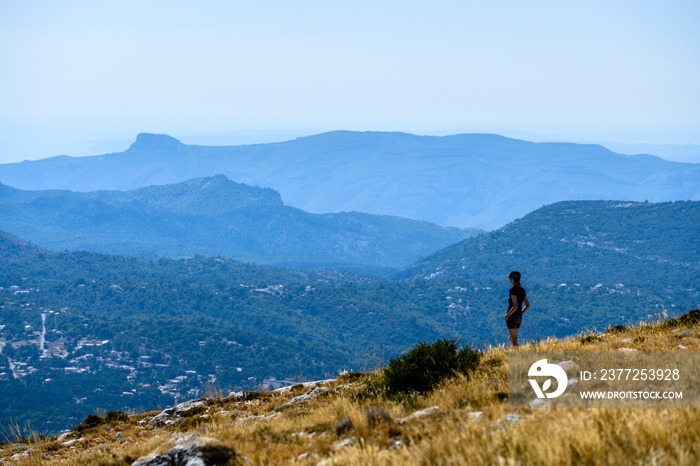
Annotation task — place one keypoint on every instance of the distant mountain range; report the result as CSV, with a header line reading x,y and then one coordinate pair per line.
x,y
589,242
216,216
468,180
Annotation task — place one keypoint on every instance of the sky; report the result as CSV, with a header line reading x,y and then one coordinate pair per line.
x,y
84,77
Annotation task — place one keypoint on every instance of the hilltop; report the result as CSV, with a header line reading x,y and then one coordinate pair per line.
x,y
215,216
12,247
466,180
351,420
640,243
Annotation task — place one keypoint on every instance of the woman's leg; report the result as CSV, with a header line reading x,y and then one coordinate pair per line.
x,y
513,336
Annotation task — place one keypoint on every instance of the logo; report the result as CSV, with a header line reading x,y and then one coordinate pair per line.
x,y
542,368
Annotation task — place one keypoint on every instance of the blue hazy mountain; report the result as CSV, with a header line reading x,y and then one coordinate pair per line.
x,y
467,180
216,216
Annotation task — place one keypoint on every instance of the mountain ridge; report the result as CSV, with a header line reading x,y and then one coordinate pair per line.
x,y
634,241
216,216
467,180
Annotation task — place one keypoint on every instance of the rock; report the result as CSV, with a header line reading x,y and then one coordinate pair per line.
x,y
511,419
686,332
572,382
237,395
626,349
166,417
305,384
19,447
538,403
73,442
476,415
626,340
681,347
346,442
186,406
566,365
191,450
247,420
189,455
304,455
419,414
305,397
193,439
394,444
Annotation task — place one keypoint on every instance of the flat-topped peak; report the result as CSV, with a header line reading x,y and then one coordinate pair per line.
x,y
148,141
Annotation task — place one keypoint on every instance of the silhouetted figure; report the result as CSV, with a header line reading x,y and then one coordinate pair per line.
x,y
516,298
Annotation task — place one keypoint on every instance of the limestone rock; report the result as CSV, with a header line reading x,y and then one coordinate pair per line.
x,y
191,450
419,414
566,365
169,415
305,397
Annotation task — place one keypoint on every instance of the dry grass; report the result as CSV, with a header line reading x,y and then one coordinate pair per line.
x,y
354,423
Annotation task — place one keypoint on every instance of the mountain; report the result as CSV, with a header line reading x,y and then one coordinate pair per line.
x,y
215,216
12,247
588,242
467,180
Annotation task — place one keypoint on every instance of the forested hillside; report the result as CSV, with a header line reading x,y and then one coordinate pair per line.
x,y
588,242
82,331
216,217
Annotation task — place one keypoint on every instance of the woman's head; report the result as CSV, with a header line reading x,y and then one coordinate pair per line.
x,y
515,276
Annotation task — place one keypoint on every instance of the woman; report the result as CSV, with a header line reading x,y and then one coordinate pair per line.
x,y
516,298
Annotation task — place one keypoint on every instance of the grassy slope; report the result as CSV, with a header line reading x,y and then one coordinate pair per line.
x,y
453,435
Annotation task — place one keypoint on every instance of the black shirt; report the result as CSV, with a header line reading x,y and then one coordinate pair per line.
x,y
519,293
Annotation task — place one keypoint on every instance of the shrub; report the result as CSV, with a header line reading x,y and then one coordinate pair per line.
x,y
590,339
376,415
692,317
616,329
218,455
426,365
113,417
343,426
90,422
351,377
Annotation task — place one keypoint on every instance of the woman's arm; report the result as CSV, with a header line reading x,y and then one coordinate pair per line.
x,y
527,304
514,300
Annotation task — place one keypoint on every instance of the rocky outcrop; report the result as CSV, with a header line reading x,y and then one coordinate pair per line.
x,y
191,450
170,415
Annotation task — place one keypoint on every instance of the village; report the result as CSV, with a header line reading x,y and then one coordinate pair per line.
x,y
41,353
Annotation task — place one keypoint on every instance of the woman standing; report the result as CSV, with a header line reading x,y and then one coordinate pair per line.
x,y
516,298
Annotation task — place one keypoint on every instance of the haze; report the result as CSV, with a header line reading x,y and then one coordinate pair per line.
x,y
85,77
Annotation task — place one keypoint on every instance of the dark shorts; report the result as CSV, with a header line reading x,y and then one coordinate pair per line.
x,y
515,320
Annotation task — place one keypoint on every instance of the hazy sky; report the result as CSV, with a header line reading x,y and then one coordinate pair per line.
x,y
81,77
